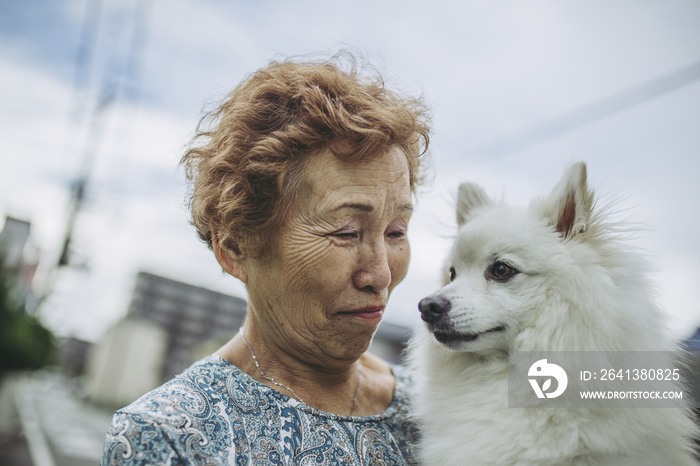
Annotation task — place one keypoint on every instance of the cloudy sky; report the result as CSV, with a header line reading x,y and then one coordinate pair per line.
x,y
518,89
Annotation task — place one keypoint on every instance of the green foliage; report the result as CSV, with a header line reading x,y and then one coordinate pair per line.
x,y
25,343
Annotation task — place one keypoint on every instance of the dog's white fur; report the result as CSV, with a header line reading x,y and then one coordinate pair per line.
x,y
579,289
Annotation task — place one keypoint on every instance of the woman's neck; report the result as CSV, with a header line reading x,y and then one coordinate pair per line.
x,y
362,386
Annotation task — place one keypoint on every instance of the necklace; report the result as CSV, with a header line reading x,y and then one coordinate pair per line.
x,y
281,385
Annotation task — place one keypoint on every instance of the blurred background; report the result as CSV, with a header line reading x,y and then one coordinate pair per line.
x,y
98,98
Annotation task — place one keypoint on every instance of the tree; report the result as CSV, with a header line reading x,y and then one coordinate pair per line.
x,y
25,343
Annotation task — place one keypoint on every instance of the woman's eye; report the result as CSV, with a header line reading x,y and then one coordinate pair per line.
x,y
502,271
453,274
396,234
345,234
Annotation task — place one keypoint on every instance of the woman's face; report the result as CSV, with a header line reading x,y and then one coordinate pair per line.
x,y
322,290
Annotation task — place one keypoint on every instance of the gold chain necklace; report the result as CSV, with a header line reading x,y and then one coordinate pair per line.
x,y
281,385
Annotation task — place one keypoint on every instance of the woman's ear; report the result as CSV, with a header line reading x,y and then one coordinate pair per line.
x,y
233,263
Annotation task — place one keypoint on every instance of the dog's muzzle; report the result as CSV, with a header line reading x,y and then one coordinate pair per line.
x,y
433,308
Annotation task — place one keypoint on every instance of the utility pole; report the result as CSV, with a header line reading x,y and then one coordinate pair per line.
x,y
80,184
113,84
107,97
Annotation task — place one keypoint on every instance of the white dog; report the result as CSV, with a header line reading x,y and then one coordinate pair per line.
x,y
550,277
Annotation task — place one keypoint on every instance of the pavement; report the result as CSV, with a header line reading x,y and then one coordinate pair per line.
x,y
44,423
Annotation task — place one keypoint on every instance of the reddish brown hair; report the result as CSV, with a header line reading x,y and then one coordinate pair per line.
x,y
246,160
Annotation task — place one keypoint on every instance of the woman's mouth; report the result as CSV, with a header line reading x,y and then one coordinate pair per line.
x,y
368,313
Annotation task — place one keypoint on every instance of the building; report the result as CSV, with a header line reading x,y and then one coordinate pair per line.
x,y
167,324
390,342
72,355
13,240
190,315
126,363
18,257
692,344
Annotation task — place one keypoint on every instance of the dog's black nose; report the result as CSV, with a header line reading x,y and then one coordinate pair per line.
x,y
433,308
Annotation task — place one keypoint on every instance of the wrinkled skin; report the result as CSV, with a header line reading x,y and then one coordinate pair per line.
x,y
342,249
317,296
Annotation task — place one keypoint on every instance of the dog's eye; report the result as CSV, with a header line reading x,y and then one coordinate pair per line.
x,y
502,271
453,274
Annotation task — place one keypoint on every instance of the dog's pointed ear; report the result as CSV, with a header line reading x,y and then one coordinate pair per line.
x,y
570,204
470,197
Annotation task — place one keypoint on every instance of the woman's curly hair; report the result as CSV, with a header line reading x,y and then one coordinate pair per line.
x,y
246,160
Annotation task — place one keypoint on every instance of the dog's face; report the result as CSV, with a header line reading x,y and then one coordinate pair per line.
x,y
505,265
495,279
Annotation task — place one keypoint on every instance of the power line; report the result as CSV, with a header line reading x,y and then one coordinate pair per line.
x,y
108,94
592,112
84,54
113,82
142,17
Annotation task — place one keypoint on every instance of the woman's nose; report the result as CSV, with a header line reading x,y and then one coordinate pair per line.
x,y
374,271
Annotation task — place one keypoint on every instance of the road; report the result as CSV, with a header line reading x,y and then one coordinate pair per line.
x,y
52,426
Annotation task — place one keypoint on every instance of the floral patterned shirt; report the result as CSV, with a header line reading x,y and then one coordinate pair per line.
x,y
215,414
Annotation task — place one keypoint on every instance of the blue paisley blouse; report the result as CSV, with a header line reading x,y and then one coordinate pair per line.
x,y
215,414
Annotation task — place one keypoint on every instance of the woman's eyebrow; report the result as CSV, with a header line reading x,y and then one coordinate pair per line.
x,y
369,208
355,206
405,208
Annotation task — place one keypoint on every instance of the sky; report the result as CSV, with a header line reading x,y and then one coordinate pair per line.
x,y
518,90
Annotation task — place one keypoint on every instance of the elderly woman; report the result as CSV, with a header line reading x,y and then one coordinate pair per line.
x,y
302,185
